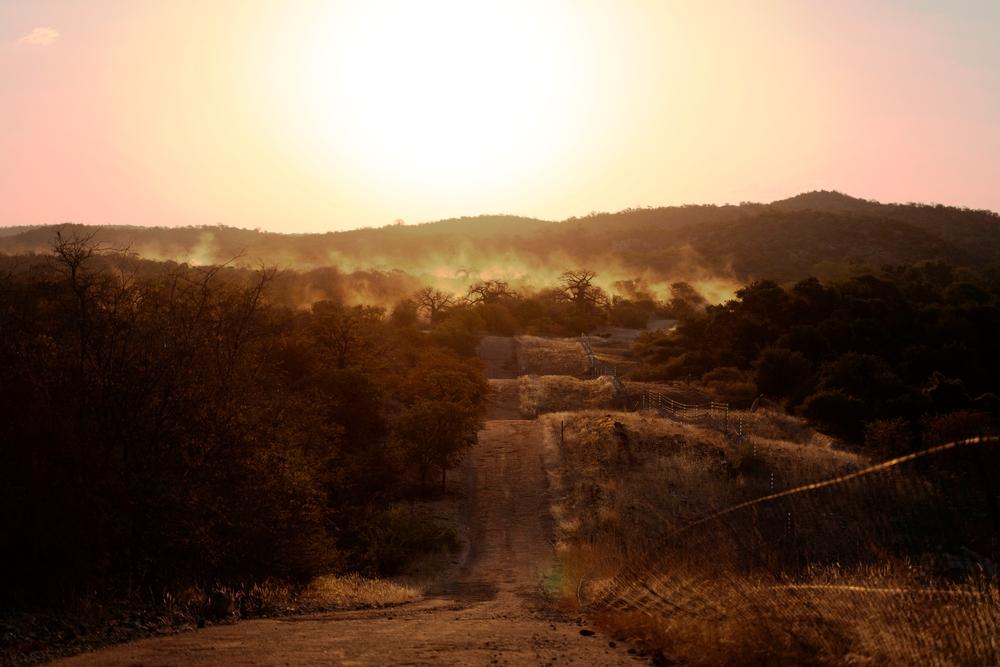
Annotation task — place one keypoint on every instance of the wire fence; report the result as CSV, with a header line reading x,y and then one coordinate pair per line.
x,y
711,413
597,368
894,563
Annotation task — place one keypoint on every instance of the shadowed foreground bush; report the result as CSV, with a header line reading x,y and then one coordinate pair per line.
x,y
170,428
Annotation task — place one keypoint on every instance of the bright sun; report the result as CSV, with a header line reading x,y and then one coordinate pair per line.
x,y
460,93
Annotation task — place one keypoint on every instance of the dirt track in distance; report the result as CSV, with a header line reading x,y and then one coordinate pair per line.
x,y
491,612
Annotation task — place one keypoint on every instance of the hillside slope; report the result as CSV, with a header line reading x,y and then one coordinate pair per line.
x,y
784,240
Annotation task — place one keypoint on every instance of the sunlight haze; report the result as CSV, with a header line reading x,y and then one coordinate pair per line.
x,y
313,116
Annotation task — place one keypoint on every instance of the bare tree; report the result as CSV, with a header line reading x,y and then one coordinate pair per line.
x,y
578,287
72,256
490,291
433,302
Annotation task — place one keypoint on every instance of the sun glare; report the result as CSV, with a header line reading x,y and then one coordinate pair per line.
x,y
420,94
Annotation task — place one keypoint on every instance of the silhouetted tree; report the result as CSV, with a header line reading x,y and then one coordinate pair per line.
x,y
578,287
346,331
433,302
489,291
436,433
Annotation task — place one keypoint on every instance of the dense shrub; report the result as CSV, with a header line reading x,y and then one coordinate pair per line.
x,y
497,319
909,341
889,438
836,412
780,373
459,331
938,429
163,425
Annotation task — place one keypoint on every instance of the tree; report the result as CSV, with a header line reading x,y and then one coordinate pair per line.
x,y
433,302
685,302
888,437
459,331
578,287
779,372
346,332
864,376
489,291
836,413
945,393
404,313
436,433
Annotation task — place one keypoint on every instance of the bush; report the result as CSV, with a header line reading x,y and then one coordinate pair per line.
x,y
737,394
957,425
497,319
459,331
404,314
746,460
394,537
889,438
629,314
170,428
946,394
724,374
138,442
835,412
863,375
780,373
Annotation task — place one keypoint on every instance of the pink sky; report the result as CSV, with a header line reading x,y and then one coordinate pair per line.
x,y
309,116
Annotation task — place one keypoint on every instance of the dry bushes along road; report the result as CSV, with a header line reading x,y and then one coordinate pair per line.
x,y
492,611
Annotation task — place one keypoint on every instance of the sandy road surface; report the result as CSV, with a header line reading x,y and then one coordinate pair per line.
x,y
491,613
497,354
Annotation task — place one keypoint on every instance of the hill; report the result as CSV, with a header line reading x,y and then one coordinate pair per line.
x,y
820,233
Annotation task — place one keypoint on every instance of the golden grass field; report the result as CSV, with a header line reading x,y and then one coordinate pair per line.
x,y
799,580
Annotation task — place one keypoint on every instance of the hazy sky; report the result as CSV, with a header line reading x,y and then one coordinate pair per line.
x,y
308,116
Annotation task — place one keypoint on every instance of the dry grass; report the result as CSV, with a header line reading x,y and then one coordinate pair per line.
x,y
779,426
538,394
612,346
682,392
353,591
807,580
550,356
874,616
503,401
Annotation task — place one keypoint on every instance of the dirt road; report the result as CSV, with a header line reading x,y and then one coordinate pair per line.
x,y
492,612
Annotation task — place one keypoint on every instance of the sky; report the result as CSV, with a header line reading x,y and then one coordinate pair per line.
x,y
305,116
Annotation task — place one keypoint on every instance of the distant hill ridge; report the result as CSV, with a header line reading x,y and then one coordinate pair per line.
x,y
786,239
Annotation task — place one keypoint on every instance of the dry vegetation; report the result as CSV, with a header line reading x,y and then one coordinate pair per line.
x,y
812,578
550,356
612,347
353,591
538,394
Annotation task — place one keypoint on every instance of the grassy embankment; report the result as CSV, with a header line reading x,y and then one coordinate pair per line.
x,y
828,576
